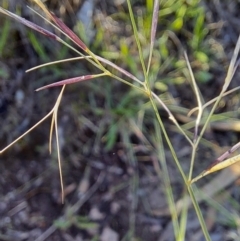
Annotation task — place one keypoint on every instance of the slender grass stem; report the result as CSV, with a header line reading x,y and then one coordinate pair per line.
x,y
56,62
231,71
164,174
195,204
137,38
96,63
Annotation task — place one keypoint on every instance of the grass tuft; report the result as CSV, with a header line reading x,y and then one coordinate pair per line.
x,y
153,61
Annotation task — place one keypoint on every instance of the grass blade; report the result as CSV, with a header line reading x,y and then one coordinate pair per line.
x,y
57,139
137,38
217,166
164,175
153,31
29,24
55,62
71,81
197,93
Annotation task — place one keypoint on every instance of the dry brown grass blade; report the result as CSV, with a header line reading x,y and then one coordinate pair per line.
x,y
62,26
230,125
43,7
217,166
29,24
71,81
53,112
54,123
28,131
220,162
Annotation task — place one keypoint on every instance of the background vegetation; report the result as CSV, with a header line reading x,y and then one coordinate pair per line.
x,y
111,144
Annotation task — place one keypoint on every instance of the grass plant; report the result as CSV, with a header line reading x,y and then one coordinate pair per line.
x,y
145,89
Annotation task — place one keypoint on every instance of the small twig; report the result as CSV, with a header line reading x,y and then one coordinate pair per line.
x,y
47,233
87,195
17,208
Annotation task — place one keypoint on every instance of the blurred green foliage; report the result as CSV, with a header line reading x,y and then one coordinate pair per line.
x,y
82,222
181,26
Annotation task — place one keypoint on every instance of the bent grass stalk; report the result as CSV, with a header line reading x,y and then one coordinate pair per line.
x,y
231,70
53,112
212,101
